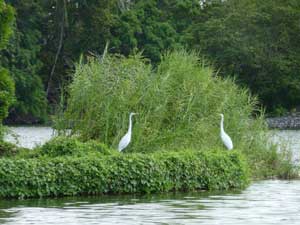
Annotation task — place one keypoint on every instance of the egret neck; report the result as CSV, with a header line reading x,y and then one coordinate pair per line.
x,y
221,124
130,123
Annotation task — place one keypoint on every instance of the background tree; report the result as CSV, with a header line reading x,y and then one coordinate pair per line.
x,y
6,18
146,27
70,29
256,41
21,58
6,83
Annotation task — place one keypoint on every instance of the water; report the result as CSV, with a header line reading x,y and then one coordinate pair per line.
x,y
288,138
264,202
29,137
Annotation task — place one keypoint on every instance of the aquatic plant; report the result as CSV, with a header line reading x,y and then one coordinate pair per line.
x,y
122,173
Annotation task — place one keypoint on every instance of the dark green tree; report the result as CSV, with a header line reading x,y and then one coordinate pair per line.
x,y
21,58
72,28
6,83
258,42
254,40
145,26
6,19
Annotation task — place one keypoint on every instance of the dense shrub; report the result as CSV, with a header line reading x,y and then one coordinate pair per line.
x,y
8,149
122,173
64,146
178,104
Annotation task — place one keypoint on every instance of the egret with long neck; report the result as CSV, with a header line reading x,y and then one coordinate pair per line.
x,y
225,137
127,137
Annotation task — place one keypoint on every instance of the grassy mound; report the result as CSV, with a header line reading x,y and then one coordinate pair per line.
x,y
62,146
122,173
178,104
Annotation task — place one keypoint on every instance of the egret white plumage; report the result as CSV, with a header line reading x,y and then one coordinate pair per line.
x,y
127,137
225,137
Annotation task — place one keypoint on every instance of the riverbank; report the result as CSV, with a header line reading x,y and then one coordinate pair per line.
x,y
284,122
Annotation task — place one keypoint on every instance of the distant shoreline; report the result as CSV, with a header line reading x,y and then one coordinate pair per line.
x,y
291,122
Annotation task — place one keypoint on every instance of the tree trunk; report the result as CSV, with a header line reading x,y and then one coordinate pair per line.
x,y
60,44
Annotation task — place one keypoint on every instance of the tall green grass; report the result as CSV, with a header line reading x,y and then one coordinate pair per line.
x,y
178,102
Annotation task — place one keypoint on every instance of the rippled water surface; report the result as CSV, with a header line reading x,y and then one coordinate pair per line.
x,y
264,202
29,137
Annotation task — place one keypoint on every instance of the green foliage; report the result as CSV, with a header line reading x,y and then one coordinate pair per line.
x,y
6,83
254,40
21,58
258,42
65,146
178,106
61,146
144,27
6,19
7,90
129,173
8,149
286,169
86,28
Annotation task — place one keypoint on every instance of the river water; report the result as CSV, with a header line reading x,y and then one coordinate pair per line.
x,y
264,202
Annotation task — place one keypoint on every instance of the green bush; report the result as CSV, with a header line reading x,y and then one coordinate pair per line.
x,y
97,146
8,149
6,22
122,173
66,146
178,104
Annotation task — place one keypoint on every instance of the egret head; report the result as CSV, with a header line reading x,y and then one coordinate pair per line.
x,y
222,116
131,114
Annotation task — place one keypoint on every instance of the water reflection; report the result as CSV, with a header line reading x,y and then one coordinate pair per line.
x,y
265,202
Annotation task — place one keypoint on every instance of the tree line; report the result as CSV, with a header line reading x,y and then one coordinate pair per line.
x,y
256,41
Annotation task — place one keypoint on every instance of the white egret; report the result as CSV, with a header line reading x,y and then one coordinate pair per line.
x,y
225,138
127,137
